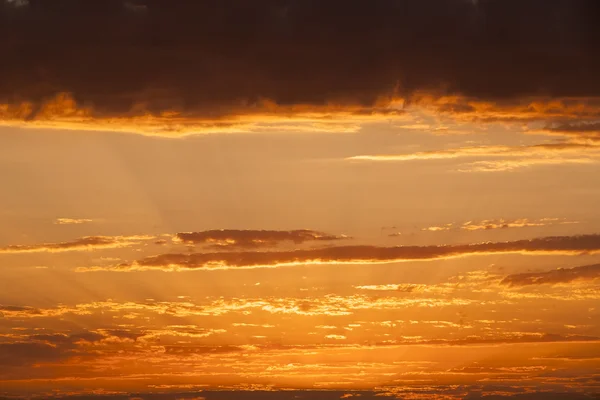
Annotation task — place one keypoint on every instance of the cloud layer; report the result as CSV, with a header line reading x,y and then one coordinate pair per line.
x,y
157,61
582,244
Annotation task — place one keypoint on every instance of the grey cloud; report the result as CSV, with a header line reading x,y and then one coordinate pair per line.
x,y
561,275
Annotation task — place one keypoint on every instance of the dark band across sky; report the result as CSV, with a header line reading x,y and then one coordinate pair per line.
x,y
209,57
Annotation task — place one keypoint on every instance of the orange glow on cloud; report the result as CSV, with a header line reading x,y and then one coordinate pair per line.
x,y
299,200
63,112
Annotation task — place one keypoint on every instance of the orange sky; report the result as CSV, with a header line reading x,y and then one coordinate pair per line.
x,y
219,261
323,235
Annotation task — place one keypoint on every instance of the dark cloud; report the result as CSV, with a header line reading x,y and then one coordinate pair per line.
x,y
16,354
8,310
124,334
253,238
217,57
561,275
449,392
82,244
467,341
544,395
90,337
187,350
19,309
44,348
589,130
52,339
359,254
582,127
524,338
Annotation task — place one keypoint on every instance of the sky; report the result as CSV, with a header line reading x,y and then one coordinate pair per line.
x,y
299,199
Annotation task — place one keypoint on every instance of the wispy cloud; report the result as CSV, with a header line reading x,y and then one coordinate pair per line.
x,y
511,165
72,221
511,157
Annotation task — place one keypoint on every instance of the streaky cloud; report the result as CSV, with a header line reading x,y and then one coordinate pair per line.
x,y
569,245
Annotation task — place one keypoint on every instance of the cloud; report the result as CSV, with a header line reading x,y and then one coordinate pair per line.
x,y
446,227
232,238
335,337
582,244
487,151
491,224
589,130
331,304
511,165
440,154
506,339
557,276
87,243
18,310
44,348
505,391
63,112
15,354
504,158
189,350
72,221
294,53
523,110
401,287
501,223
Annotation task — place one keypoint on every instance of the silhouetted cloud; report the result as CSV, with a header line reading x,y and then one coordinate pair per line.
x,y
561,275
356,254
310,54
13,354
589,129
44,348
231,238
19,310
82,244
508,391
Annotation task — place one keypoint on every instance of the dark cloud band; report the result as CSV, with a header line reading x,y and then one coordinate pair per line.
x,y
356,254
220,57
